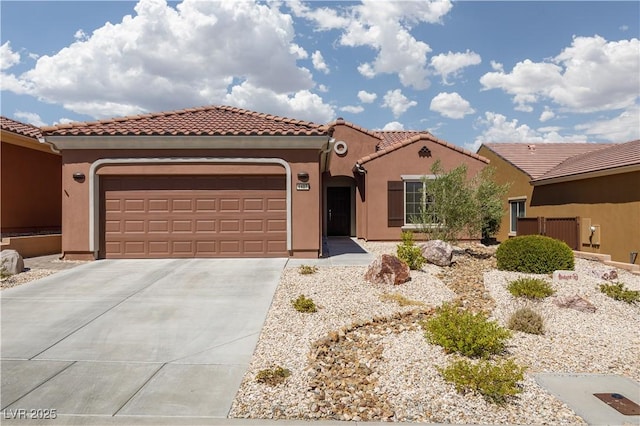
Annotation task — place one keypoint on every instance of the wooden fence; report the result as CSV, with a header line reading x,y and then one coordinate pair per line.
x,y
565,229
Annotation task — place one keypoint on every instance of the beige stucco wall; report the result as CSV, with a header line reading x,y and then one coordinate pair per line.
x,y
306,241
30,186
405,161
519,186
610,202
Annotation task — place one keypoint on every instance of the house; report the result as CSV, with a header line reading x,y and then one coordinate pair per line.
x,y
220,181
597,183
31,195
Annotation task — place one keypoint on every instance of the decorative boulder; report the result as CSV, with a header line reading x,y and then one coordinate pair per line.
x,y
387,269
607,275
575,302
437,252
12,262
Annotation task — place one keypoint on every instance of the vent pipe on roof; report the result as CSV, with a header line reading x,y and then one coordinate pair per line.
x,y
531,147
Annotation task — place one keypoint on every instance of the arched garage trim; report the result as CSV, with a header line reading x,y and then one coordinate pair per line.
x,y
94,186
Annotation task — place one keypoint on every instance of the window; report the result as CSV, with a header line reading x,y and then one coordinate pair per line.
x,y
416,200
516,210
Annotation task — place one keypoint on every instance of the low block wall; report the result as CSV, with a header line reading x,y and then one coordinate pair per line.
x,y
34,245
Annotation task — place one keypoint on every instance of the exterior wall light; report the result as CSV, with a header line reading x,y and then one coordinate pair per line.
x,y
78,177
303,176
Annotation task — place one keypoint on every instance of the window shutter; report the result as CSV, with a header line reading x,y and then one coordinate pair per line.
x,y
395,204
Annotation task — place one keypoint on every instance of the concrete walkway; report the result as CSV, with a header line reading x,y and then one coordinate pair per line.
x,y
338,251
134,337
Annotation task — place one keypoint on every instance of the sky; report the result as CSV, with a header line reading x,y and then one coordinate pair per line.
x,y
470,72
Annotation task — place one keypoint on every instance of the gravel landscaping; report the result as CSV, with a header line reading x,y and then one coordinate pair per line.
x,y
362,356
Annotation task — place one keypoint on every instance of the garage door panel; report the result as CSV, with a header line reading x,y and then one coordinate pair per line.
x,y
194,216
158,226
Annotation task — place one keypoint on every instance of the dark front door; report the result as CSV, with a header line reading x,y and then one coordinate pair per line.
x,y
339,211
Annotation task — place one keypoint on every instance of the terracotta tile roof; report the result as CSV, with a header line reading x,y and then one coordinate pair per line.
x,y
202,121
341,120
20,128
537,159
609,158
420,136
391,137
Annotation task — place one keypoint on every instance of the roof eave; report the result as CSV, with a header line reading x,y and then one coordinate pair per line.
x,y
587,175
188,142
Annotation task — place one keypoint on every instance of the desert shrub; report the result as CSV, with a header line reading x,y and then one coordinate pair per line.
x,y
535,254
496,382
618,291
304,304
307,269
400,299
409,253
531,288
4,273
464,332
526,320
273,376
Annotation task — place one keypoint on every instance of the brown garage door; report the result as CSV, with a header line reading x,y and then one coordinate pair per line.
x,y
193,216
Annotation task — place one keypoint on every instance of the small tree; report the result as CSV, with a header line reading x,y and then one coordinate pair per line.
x,y
453,204
489,201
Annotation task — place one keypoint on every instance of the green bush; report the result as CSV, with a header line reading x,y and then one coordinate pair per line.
x,y
531,288
409,253
534,254
618,291
464,332
526,320
304,304
273,376
495,382
307,269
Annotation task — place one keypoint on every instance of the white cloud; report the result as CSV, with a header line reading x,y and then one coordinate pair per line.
x,y
393,125
322,88
223,49
498,129
451,105
353,109
497,66
319,63
384,27
450,64
8,57
622,128
590,75
63,120
366,97
80,35
29,117
298,51
546,115
302,105
623,28
397,102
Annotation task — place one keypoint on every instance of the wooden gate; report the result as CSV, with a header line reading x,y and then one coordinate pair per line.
x,y
565,229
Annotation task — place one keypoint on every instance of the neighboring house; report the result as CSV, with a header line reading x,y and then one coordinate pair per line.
x,y
227,182
30,213
599,183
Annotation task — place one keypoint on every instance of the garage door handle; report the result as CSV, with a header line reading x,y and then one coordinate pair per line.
x,y
329,214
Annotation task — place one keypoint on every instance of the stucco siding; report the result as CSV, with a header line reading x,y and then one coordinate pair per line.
x,y
31,195
610,202
405,161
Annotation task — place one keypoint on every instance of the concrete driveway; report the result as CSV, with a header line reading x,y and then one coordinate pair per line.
x,y
134,337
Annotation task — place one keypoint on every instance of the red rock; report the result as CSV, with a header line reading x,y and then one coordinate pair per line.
x,y
388,269
575,302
